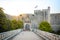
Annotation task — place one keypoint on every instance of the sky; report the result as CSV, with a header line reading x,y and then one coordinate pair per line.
x,y
16,7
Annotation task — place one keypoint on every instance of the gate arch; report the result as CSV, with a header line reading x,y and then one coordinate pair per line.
x,y
27,26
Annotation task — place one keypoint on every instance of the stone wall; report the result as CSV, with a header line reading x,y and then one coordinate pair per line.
x,y
55,21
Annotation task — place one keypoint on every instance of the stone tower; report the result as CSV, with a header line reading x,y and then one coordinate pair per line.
x,y
49,14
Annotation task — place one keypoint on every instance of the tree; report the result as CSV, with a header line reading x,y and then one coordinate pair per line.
x,y
20,24
6,24
16,24
45,26
3,20
9,24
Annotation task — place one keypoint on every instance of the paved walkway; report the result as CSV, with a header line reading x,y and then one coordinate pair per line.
x,y
26,35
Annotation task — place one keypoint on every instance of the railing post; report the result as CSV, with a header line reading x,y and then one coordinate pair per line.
x,y
1,36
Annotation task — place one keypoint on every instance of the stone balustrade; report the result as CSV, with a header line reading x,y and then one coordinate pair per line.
x,y
51,36
9,34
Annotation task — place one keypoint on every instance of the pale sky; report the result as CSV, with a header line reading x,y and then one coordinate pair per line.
x,y
16,7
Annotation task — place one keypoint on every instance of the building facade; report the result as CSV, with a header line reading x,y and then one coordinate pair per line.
x,y
55,21
36,18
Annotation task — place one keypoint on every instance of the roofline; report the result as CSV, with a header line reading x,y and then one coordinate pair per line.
x,y
55,13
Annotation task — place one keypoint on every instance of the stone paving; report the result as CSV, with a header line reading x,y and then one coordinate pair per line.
x,y
26,35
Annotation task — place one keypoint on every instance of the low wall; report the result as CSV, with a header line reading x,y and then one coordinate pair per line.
x,y
9,34
48,35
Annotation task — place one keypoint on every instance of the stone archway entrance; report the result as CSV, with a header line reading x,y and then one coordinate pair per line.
x,y
27,27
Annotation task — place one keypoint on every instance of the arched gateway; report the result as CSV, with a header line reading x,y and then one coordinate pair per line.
x,y
27,26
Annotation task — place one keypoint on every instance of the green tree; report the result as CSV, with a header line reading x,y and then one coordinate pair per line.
x,y
16,24
20,24
45,26
6,24
9,24
3,20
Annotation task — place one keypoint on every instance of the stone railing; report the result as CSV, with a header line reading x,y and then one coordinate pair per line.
x,y
9,34
48,35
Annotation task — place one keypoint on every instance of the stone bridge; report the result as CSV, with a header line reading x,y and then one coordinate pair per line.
x,y
28,35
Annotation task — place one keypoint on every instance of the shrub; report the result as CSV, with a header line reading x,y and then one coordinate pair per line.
x,y
45,26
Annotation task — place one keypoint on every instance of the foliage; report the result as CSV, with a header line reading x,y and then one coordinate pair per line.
x,y
3,20
45,26
57,32
20,24
6,24
16,24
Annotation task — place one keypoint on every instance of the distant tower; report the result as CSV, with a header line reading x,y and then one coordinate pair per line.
x,y
48,7
49,14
